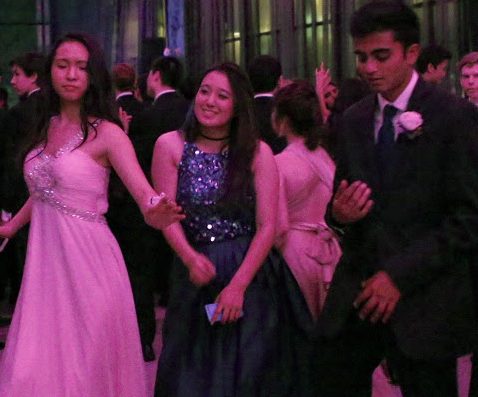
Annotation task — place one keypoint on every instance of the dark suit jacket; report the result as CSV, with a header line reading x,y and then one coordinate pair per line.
x,y
167,113
130,105
263,110
15,126
422,229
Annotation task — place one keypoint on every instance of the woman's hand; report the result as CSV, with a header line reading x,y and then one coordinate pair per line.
x,y
230,303
125,119
162,213
322,79
201,269
6,230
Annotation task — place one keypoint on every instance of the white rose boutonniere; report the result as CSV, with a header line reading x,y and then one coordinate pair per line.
x,y
410,123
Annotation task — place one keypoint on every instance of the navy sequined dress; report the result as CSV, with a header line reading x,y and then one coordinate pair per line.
x,y
243,359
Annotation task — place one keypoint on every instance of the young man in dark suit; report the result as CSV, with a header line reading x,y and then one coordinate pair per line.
x,y
406,199
27,80
148,263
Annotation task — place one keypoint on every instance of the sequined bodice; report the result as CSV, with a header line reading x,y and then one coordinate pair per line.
x,y
200,188
69,181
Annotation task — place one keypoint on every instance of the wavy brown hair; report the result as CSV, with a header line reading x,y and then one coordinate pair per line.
x,y
243,134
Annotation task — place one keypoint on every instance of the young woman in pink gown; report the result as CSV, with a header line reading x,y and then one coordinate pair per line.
x,y
74,331
306,172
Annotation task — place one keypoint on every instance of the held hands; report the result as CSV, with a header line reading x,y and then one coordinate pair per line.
x,y
201,270
352,202
378,299
162,212
230,303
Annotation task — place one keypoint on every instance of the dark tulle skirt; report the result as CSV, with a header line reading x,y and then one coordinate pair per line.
x,y
265,353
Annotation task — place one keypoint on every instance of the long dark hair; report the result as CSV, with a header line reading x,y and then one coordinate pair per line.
x,y
299,103
97,101
243,134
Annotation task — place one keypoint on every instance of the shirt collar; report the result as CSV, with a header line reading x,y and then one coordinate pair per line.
x,y
264,95
401,103
162,93
122,94
32,91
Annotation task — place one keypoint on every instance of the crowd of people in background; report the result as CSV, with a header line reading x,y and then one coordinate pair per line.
x,y
301,233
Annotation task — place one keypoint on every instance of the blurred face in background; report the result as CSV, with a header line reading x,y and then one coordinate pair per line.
x,y
438,73
21,83
469,81
330,96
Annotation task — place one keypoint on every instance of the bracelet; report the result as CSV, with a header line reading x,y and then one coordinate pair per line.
x,y
156,199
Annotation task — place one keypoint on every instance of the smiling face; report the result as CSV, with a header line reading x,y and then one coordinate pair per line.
x,y
469,81
384,62
69,73
214,102
21,83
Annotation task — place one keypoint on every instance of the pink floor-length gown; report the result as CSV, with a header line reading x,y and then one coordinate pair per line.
x,y
309,247
74,331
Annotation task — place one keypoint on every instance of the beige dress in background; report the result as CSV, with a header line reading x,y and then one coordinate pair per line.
x,y
309,247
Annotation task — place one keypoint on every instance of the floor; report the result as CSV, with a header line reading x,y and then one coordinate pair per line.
x,y
381,388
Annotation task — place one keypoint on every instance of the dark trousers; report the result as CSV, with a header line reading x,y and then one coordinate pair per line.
x,y
11,268
140,252
346,364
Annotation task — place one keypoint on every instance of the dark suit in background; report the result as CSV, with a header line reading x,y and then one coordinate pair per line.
x,y
15,126
422,230
146,253
263,109
167,113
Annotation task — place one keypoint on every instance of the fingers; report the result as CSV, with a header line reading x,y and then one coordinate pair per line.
x,y
351,202
389,311
362,297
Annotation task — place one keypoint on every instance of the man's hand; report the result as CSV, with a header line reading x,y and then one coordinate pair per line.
x,y
378,299
351,202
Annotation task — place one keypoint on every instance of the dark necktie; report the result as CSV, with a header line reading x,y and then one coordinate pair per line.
x,y
386,140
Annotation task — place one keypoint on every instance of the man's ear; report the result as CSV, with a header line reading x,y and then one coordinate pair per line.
x,y
34,78
431,68
412,53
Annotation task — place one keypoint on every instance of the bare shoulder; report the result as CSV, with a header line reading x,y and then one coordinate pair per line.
x,y
107,131
170,143
263,156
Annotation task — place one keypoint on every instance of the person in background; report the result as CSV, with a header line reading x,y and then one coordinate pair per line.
x,y
124,82
74,330
27,80
433,63
468,72
141,92
327,92
125,220
167,113
309,247
265,73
